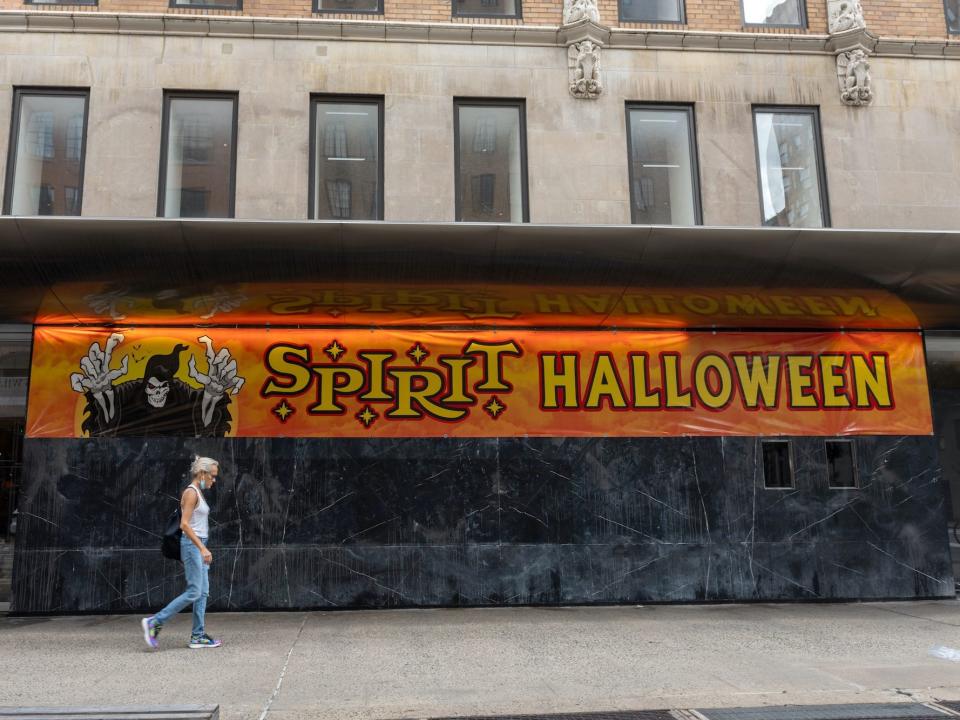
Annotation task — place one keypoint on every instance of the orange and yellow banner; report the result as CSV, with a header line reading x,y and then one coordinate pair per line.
x,y
96,382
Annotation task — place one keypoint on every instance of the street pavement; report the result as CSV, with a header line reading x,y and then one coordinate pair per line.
x,y
429,663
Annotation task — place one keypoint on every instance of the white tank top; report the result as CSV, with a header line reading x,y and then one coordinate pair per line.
x,y
199,518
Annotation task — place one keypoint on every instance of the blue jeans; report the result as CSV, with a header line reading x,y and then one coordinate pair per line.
x,y
198,586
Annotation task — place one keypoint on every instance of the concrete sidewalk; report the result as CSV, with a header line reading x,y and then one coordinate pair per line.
x,y
427,663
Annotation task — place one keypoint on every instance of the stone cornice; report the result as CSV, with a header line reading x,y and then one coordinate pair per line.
x,y
242,26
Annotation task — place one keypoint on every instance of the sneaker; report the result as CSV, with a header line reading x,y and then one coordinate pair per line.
x,y
203,641
151,631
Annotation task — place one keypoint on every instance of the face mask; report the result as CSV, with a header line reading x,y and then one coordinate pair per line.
x,y
203,484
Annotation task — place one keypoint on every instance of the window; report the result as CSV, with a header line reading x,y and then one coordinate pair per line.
x,y
664,187
790,169
199,155
346,144
652,11
841,464
348,6
47,152
486,8
777,464
491,162
952,10
774,13
215,4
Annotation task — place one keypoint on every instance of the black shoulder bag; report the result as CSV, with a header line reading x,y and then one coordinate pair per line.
x,y
170,544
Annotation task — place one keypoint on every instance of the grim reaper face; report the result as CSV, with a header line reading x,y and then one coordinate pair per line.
x,y
157,391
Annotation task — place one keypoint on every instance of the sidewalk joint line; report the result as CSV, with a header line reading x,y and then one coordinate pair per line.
x,y
918,617
283,670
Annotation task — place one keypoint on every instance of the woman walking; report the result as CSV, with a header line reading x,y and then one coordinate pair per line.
x,y
196,558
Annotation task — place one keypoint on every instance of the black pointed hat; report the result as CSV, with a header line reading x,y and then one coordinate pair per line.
x,y
164,367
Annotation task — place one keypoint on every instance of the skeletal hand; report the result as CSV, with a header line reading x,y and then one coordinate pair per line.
x,y
97,377
109,303
220,301
221,376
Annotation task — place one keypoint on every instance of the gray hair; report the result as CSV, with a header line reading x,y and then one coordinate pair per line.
x,y
201,465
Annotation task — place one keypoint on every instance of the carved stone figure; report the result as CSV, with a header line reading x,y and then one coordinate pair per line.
x,y
577,10
584,62
853,72
845,15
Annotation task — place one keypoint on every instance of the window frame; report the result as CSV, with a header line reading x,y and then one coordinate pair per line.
x,y
804,22
169,95
814,112
681,21
853,462
237,5
790,463
518,15
92,3
13,148
694,154
521,105
315,100
317,10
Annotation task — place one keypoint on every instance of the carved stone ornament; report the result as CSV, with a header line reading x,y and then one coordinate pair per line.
x,y
853,72
577,10
843,15
584,62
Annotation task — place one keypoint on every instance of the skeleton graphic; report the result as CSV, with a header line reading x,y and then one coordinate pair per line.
x,y
159,403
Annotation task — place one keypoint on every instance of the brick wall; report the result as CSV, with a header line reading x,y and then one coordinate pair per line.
x,y
917,18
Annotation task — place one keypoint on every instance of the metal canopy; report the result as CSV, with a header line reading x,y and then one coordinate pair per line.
x,y
48,265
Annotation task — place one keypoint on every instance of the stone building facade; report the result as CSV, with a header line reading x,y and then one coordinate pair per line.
x,y
892,165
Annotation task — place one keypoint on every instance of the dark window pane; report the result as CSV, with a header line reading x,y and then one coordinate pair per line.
x,y
194,202
482,190
48,154
347,6
789,169
45,200
952,10
339,198
772,12
199,162
662,167
777,472
651,11
508,8
490,175
841,468
347,163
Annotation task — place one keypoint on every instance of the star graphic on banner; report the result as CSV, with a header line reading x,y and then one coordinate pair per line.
x,y
335,312
418,353
416,312
495,408
283,411
367,416
334,350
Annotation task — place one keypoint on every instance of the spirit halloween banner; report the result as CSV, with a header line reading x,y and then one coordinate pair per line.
x,y
395,383
485,305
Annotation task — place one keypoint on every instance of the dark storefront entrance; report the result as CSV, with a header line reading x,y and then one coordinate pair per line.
x,y
943,368
14,369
